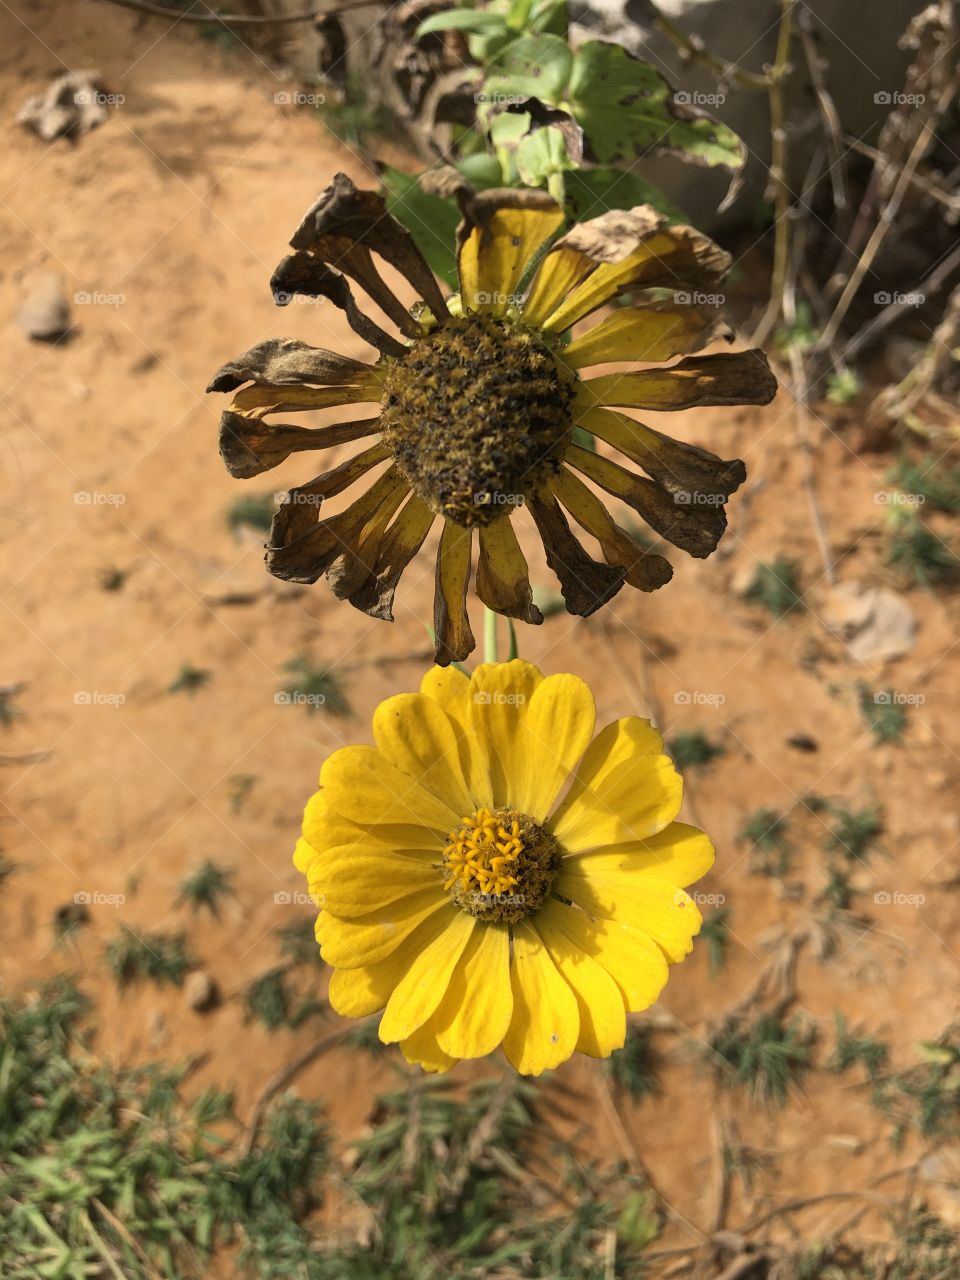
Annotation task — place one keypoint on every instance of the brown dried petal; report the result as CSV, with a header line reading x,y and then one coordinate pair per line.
x,y
306,557
695,528
678,466
362,217
614,235
300,510
302,273
585,584
250,446
503,581
286,360
451,625
728,378
375,592
645,569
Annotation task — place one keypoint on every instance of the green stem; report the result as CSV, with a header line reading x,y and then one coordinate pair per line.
x,y
489,635
557,187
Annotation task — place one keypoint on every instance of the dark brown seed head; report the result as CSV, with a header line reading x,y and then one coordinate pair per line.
x,y
476,415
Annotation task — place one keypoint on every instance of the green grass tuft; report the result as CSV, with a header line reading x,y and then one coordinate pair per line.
x,y
853,1050
9,711
884,716
316,688
270,1001
298,942
693,750
715,932
189,679
776,586
917,553
156,957
252,511
109,1174
855,832
766,1055
934,481
207,885
634,1067
766,832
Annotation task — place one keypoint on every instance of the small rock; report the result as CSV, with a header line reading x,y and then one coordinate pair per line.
x,y
874,622
200,991
157,1029
70,916
845,1142
44,314
70,106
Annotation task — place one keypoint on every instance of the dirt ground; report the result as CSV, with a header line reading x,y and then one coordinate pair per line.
x,y
172,217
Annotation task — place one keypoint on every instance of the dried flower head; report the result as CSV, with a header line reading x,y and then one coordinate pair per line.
x,y
479,399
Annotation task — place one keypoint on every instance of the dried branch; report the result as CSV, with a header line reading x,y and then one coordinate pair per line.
x,y
240,19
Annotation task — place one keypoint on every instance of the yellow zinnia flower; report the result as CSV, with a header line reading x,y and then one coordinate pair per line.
x,y
479,401
490,873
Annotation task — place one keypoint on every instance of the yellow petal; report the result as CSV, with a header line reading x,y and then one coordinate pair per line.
x,y
361,784
354,883
496,251
363,940
633,960
416,735
546,1021
648,266
423,986
451,689
603,1019
557,276
324,828
257,400
499,694
634,802
473,1016
421,1049
620,742
728,378
304,855
657,908
645,333
354,993
557,728
679,853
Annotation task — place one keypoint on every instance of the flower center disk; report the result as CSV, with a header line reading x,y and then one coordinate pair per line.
x,y
499,865
476,415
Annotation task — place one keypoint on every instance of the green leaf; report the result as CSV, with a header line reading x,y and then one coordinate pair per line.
x,y
518,14
481,171
624,106
591,192
541,154
476,21
550,17
626,109
536,66
431,220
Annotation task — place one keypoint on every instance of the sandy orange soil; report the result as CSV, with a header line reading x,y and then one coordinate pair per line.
x,y
173,215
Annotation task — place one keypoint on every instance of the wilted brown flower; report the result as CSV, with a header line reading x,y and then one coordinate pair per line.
x,y
479,400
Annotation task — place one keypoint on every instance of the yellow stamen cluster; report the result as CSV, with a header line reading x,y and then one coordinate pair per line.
x,y
499,865
480,853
